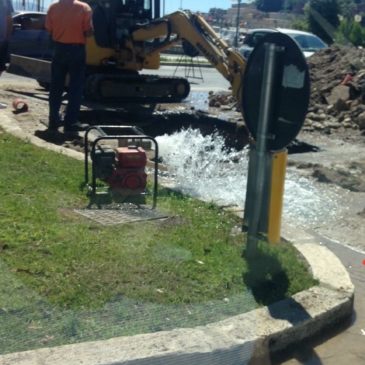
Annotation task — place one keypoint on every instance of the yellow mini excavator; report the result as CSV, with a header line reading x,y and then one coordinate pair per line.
x,y
129,36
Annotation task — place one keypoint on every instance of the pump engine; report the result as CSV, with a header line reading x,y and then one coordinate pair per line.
x,y
123,169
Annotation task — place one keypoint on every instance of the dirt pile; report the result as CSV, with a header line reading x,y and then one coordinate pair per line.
x,y
337,103
337,90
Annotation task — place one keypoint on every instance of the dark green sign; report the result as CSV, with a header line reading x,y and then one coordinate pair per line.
x,y
291,91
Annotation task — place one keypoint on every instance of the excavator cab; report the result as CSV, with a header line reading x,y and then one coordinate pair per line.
x,y
112,44
115,56
114,20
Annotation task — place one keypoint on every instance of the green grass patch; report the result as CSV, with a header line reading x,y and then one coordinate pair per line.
x,y
67,279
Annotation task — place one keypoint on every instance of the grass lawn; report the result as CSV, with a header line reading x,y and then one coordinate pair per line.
x,y
66,279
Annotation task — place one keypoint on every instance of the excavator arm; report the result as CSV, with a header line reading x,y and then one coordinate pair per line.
x,y
127,40
192,28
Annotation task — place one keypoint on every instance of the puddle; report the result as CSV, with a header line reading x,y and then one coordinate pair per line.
x,y
198,100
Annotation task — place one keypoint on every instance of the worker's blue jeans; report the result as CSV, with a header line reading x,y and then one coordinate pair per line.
x,y
68,59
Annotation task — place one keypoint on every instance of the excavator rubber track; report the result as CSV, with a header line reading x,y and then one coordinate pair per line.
x,y
135,88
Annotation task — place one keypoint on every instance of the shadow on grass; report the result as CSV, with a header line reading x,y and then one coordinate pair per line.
x,y
269,284
164,192
266,277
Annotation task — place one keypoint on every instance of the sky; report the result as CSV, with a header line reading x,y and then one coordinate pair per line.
x,y
198,5
173,5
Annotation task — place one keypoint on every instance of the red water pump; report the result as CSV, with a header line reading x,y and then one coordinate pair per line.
x,y
123,169
128,176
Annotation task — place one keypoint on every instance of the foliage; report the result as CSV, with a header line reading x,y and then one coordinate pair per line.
x,y
217,12
350,31
343,32
217,15
357,36
347,8
323,18
295,6
300,24
269,5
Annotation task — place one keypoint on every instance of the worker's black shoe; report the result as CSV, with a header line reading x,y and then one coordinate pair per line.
x,y
53,127
76,127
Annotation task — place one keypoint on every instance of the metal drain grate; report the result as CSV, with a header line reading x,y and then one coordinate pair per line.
x,y
124,213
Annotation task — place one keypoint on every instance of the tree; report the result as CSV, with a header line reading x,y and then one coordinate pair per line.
x,y
217,12
347,8
294,6
350,31
344,30
357,35
217,15
300,24
269,5
323,18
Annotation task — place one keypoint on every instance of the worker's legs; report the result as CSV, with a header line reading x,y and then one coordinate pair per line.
x,y
58,77
3,55
76,70
3,60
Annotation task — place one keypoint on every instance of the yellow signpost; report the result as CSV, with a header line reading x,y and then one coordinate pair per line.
x,y
278,170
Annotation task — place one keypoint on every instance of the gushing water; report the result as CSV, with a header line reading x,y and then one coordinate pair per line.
x,y
201,166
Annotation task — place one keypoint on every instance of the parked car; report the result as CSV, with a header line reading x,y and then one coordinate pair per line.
x,y
29,37
308,42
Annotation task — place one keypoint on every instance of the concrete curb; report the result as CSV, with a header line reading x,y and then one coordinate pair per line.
x,y
11,126
235,341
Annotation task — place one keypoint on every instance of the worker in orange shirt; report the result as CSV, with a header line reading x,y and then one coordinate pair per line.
x,y
69,22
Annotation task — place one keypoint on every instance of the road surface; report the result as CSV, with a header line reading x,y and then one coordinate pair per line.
x,y
206,78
